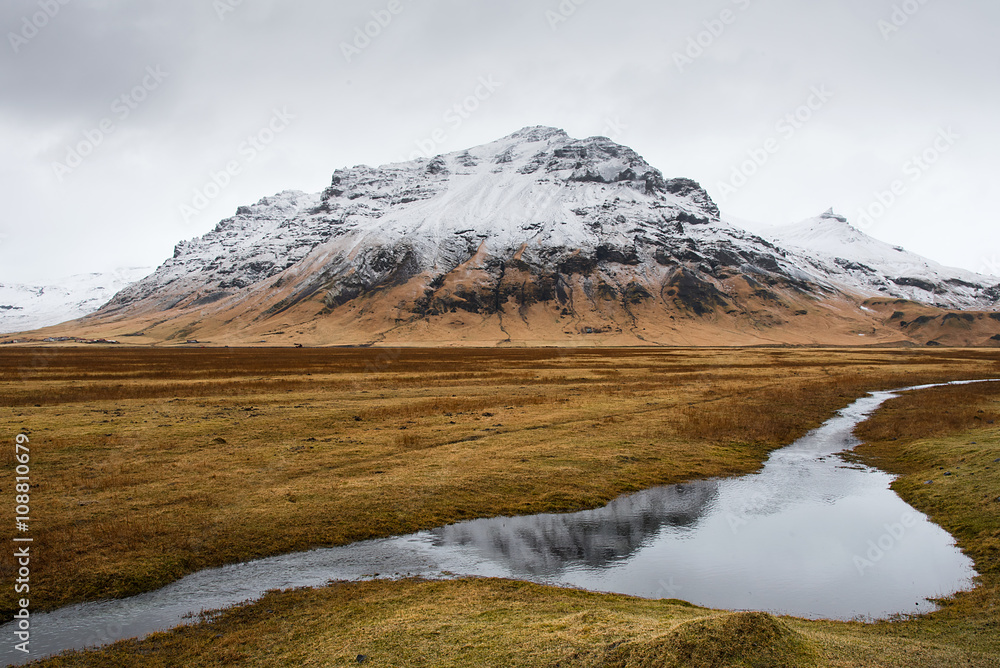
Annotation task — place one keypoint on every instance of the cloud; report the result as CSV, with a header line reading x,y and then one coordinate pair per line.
x,y
229,71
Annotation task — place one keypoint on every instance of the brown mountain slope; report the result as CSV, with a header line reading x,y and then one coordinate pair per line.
x,y
607,306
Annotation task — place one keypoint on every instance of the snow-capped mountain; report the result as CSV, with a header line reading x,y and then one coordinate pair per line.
x,y
27,307
830,247
536,194
534,238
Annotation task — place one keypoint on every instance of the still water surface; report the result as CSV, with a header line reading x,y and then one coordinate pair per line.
x,y
809,535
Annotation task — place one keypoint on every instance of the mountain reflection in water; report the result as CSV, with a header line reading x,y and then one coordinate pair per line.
x,y
544,545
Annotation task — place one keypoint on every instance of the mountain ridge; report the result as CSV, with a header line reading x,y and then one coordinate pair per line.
x,y
534,238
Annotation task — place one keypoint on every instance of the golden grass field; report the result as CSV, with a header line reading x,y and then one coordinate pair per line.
x,y
150,464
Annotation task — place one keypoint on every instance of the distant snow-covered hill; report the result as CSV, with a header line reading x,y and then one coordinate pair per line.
x,y
26,307
829,246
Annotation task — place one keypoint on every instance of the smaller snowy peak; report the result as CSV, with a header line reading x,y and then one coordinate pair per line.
x,y
26,307
830,233
858,262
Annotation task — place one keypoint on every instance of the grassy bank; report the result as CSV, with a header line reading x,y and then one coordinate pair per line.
x,y
944,444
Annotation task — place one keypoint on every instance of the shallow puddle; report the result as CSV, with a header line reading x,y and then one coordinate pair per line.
x,y
809,535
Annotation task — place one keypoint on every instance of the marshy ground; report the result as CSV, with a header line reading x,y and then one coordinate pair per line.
x,y
148,464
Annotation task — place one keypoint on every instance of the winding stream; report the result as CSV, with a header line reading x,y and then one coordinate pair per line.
x,y
809,535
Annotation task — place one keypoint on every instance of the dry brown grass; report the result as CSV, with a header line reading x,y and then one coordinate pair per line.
x,y
150,464
491,623
191,472
772,413
934,412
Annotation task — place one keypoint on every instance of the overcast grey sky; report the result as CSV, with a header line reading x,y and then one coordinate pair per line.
x,y
115,115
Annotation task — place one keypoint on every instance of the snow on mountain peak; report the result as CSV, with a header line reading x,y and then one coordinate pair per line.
x,y
828,232
859,263
535,133
540,151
